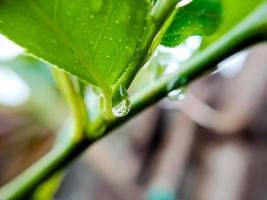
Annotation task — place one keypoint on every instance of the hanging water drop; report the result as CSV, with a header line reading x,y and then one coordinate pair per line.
x,y
178,94
123,107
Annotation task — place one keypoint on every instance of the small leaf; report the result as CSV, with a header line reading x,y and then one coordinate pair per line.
x,y
201,17
92,39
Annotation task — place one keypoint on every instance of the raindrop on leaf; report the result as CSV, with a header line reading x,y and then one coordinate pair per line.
x,y
123,107
178,94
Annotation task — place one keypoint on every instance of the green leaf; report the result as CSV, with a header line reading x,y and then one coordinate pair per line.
x,y
95,40
201,17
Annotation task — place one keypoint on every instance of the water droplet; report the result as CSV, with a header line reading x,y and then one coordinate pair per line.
x,y
96,6
97,91
123,107
54,42
92,16
178,94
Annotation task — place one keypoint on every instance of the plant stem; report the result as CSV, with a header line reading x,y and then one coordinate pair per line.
x,y
252,30
107,107
159,14
74,142
162,10
75,102
23,186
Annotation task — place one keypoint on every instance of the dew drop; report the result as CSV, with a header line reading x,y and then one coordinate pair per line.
x,y
96,6
123,107
178,94
54,42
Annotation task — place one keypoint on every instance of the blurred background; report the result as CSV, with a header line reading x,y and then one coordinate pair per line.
x,y
204,142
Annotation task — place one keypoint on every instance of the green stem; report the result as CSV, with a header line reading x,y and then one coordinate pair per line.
x,y
23,186
252,30
75,102
161,11
63,151
107,100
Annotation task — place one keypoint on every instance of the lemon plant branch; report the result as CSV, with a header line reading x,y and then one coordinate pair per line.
x,y
74,100
159,14
251,30
23,186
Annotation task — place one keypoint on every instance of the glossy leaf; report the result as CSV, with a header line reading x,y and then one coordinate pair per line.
x,y
92,39
201,17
